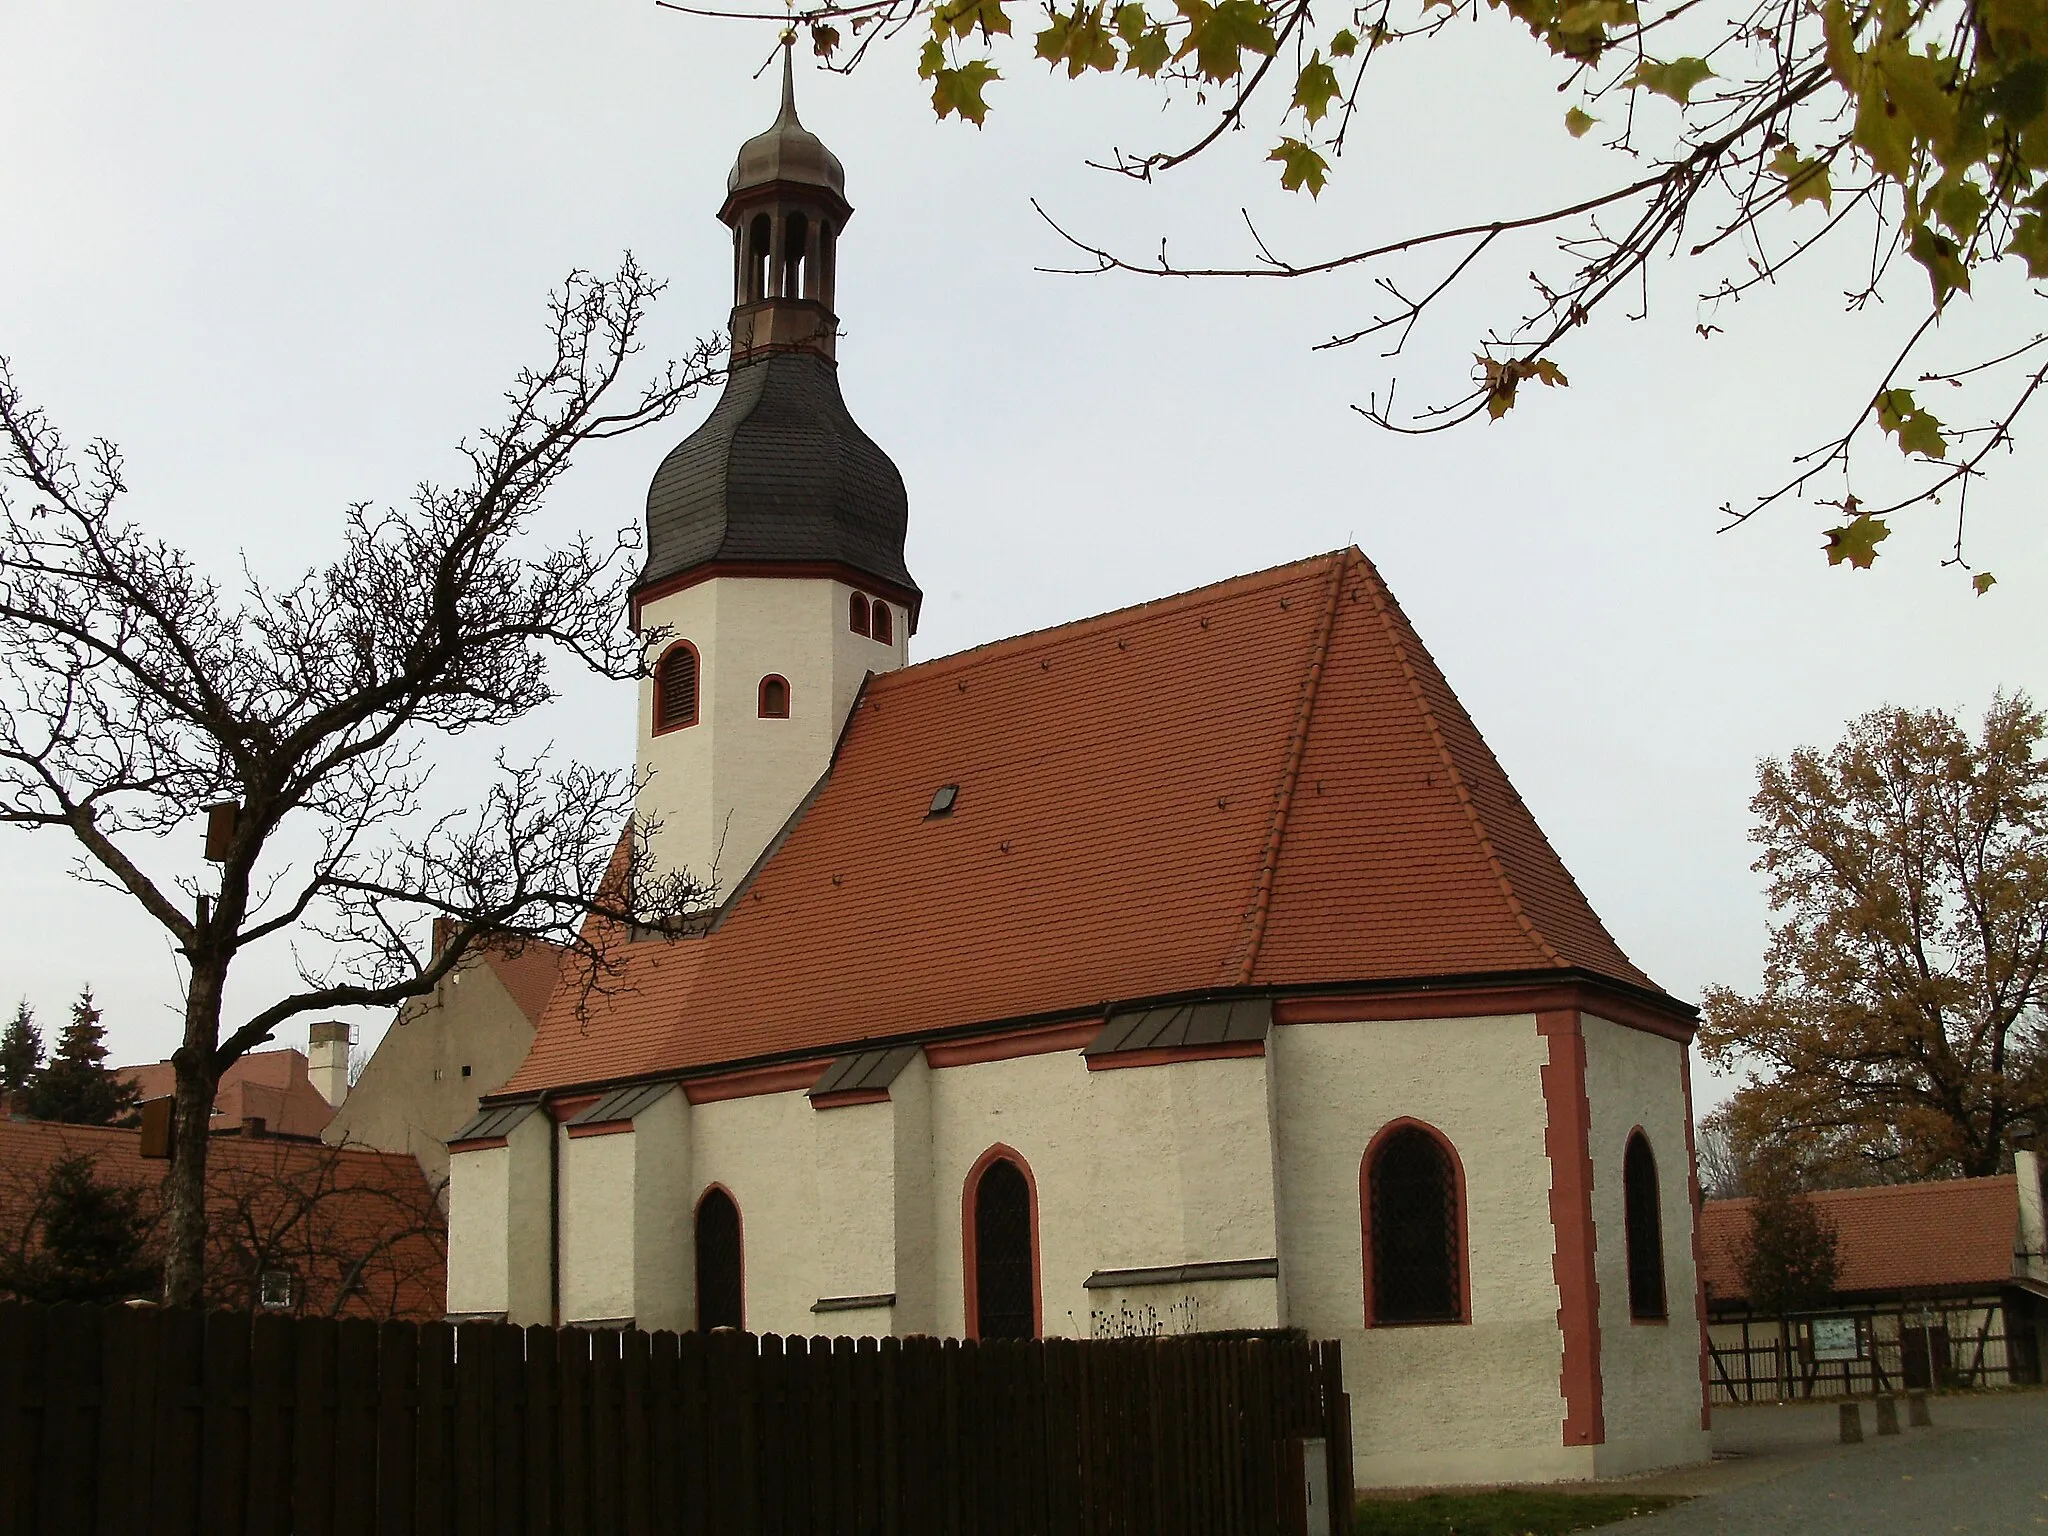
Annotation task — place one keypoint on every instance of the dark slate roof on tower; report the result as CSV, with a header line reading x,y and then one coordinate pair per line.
x,y
779,473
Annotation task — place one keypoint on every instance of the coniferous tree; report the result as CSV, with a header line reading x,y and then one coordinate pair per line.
x,y
76,1086
21,1050
84,1240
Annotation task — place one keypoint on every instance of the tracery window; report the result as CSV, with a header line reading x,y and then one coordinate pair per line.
x,y
1002,1275
1415,1229
721,1268
1643,1225
774,698
857,613
675,688
884,628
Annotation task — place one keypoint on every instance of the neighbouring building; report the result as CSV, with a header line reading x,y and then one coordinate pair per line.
x,y
273,1092
443,1052
292,1225
1192,967
1942,1284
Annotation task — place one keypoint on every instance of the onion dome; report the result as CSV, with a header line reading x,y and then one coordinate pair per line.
x,y
788,152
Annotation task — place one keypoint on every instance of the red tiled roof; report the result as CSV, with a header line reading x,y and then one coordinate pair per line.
x,y
1893,1237
317,1208
530,975
1266,781
270,1085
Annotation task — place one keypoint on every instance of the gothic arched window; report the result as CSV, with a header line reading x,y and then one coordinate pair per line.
x,y
721,1267
1414,1229
857,613
675,688
1643,1225
774,697
1001,1221
884,626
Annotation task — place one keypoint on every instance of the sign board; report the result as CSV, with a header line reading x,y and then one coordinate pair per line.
x,y
1834,1338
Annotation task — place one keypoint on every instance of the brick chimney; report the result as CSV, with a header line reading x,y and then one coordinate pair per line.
x,y
327,1061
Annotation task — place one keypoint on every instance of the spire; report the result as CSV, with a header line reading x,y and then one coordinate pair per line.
x,y
788,112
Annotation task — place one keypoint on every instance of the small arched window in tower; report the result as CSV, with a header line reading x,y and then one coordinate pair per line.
x,y
796,245
774,697
760,242
1415,1229
884,626
857,613
1002,1270
1644,1227
675,688
721,1267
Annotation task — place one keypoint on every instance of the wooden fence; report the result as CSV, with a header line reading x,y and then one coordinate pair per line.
x,y
119,1420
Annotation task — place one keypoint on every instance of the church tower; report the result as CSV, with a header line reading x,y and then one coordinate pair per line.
x,y
774,581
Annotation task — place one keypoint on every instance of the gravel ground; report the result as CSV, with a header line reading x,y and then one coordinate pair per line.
x,y
1982,1468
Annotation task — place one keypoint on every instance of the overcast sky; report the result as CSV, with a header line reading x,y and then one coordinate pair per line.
x,y
287,256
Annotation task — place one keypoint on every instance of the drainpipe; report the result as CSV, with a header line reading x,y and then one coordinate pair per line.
x,y
547,1109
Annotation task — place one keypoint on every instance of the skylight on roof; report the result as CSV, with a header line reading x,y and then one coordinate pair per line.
x,y
942,801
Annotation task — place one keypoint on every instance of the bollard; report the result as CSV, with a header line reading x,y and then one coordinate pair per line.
x,y
1916,1410
1887,1415
1852,1423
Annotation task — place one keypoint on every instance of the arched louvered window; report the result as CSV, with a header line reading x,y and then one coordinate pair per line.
x,y
884,628
676,688
857,613
1413,1201
774,698
721,1267
1001,1222
1644,1226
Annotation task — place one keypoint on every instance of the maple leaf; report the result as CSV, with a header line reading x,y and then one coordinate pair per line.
x,y
1942,258
1576,122
1983,582
1300,166
1916,429
1856,541
1806,181
2030,243
963,16
959,90
1314,87
824,39
1344,44
1219,36
1677,79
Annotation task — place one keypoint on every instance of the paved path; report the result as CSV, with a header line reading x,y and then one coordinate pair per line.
x,y
1982,1468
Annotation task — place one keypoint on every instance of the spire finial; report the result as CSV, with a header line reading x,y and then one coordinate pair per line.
x,y
788,113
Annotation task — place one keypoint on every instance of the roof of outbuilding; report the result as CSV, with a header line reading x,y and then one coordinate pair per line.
x,y
272,1086
1941,1235
779,473
1264,783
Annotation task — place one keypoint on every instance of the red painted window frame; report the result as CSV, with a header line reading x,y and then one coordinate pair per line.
x,y
696,702
881,622
740,1219
999,1152
1464,1317
761,697
1645,1319
857,612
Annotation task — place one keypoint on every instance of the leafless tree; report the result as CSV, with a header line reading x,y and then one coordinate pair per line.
x,y
135,690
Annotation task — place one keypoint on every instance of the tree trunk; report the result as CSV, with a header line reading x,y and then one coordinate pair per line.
x,y
185,1185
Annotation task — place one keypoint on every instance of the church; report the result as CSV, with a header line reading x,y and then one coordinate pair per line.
x,y
1193,967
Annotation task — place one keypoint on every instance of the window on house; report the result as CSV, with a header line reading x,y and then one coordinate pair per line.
x,y
857,613
675,688
465,1069
274,1289
1644,1227
721,1270
1003,1276
884,627
774,697
1416,1231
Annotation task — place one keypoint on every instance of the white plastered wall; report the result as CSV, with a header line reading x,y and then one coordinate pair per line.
x,y
722,788
763,1152
498,1227
1473,1402
1133,1168
625,1221
1650,1372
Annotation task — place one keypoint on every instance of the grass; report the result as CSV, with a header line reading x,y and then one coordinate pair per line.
x,y
1507,1512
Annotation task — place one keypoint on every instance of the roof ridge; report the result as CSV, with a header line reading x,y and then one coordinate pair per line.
x,y
1250,580
1462,790
1873,1191
1297,744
